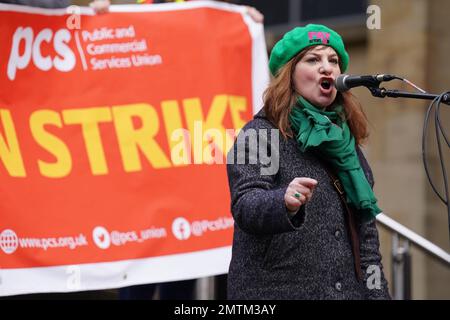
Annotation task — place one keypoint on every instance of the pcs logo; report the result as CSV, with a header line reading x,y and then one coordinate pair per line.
x,y
28,47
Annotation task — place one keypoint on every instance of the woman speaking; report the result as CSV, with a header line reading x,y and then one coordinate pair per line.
x,y
308,230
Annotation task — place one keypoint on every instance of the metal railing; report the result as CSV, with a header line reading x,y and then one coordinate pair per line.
x,y
401,256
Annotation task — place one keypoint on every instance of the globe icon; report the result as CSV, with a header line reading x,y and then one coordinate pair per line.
x,y
8,241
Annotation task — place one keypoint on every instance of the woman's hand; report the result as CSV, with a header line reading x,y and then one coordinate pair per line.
x,y
100,6
298,192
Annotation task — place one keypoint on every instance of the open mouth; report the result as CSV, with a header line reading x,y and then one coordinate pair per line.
x,y
325,84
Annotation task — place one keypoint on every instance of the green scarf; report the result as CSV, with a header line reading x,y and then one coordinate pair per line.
x,y
327,133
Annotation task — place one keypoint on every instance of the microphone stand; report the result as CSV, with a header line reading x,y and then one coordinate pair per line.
x,y
382,92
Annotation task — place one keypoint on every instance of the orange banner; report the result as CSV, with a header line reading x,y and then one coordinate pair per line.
x,y
113,131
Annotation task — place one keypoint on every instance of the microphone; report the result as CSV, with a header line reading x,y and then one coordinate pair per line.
x,y
345,82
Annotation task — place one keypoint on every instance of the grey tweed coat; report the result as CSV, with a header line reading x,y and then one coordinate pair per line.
x,y
308,256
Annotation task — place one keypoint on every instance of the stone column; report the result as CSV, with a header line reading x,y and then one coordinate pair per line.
x,y
438,81
413,42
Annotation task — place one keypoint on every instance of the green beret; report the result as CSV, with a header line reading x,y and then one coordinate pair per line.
x,y
300,38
